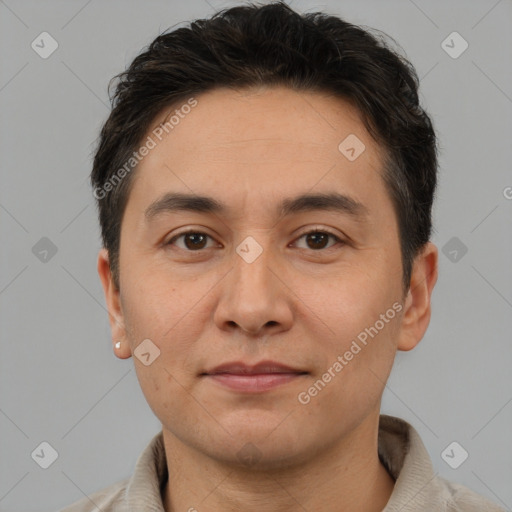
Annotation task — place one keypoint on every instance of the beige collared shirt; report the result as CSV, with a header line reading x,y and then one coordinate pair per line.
x,y
401,450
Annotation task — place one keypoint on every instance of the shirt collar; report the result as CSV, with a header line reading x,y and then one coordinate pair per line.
x,y
400,449
144,491
404,455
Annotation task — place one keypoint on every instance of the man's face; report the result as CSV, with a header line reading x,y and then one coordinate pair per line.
x,y
204,300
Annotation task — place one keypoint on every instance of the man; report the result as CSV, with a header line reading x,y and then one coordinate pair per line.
x,y
265,183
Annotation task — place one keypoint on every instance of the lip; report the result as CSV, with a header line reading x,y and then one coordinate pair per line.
x,y
263,376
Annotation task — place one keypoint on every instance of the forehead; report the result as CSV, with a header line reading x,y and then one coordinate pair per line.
x,y
275,118
249,144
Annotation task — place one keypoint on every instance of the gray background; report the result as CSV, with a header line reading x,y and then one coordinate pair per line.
x,y
59,379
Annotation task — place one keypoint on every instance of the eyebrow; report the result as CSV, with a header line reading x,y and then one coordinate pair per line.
x,y
174,201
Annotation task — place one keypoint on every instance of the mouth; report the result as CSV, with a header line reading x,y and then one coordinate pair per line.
x,y
263,376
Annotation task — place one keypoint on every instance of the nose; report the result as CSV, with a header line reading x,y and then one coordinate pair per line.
x,y
254,297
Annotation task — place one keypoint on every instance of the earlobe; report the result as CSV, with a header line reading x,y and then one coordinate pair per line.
x,y
122,350
417,307
112,300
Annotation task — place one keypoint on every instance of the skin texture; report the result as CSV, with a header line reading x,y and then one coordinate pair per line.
x,y
295,304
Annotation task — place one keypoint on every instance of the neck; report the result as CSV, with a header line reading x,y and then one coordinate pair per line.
x,y
347,476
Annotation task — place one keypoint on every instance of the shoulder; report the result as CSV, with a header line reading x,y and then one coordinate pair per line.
x,y
140,491
109,499
462,499
417,486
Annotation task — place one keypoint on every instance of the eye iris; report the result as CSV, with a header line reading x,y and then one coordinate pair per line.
x,y
195,236
316,237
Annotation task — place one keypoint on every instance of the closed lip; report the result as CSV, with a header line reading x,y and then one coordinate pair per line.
x,y
261,368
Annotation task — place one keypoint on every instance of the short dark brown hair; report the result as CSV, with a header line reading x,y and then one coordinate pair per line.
x,y
254,45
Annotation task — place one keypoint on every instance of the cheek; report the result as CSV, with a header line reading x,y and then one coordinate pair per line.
x,y
362,312
152,303
168,394
171,315
156,311
351,302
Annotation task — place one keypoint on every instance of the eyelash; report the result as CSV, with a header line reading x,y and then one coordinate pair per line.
x,y
196,232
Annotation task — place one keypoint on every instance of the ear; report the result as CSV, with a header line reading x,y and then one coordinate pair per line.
x,y
417,309
115,312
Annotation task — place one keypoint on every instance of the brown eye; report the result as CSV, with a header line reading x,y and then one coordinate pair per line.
x,y
318,240
193,240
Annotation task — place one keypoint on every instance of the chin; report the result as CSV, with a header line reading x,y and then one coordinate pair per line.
x,y
262,446
267,457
